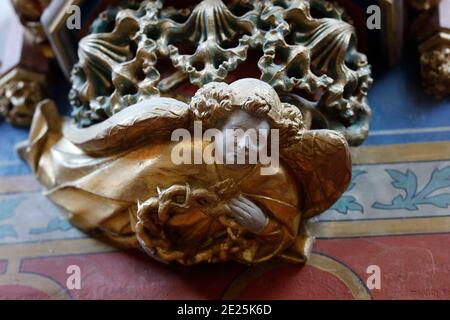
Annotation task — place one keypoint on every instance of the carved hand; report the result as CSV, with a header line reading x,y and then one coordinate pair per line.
x,y
248,214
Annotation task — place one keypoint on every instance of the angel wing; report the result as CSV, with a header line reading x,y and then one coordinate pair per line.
x,y
153,119
71,162
321,161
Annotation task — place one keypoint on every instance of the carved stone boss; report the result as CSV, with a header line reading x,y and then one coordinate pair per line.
x,y
112,168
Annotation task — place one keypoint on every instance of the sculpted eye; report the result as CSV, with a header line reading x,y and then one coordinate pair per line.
x,y
203,202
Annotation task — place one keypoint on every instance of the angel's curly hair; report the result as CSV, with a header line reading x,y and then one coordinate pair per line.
x,y
214,102
211,103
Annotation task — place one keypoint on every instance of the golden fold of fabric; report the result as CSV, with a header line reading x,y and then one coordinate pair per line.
x,y
117,180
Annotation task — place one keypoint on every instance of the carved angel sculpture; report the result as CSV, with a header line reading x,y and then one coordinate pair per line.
x,y
118,180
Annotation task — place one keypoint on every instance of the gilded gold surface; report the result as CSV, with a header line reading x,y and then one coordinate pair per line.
x,y
20,93
435,69
117,180
432,30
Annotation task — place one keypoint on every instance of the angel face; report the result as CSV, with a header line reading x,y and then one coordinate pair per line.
x,y
243,138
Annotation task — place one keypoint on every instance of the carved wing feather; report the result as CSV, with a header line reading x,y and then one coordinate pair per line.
x,y
149,120
321,161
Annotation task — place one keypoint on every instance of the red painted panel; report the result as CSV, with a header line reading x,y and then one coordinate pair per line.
x,y
412,267
133,276
291,282
12,292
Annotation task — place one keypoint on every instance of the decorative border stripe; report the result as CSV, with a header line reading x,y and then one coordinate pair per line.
x,y
401,153
383,227
54,248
